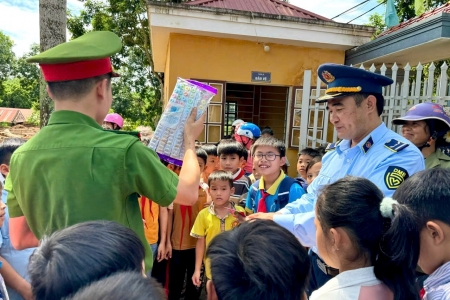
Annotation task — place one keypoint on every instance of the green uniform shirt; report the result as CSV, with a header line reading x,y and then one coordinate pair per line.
x,y
437,159
73,171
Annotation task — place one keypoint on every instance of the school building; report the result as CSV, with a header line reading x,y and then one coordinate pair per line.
x,y
256,53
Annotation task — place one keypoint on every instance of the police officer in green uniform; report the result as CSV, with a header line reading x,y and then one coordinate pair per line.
x,y
73,171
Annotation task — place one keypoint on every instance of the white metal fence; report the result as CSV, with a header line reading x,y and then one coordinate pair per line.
x,y
410,87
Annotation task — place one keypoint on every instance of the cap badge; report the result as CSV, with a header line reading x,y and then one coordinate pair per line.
x,y
328,77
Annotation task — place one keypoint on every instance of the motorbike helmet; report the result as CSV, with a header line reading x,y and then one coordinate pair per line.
x,y
249,130
115,119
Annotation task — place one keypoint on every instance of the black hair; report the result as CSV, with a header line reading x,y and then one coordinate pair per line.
x,y
230,147
242,268
165,163
122,285
146,140
360,97
430,203
309,151
437,129
210,149
322,149
220,175
74,257
314,161
391,246
271,142
75,89
201,154
267,130
245,154
7,148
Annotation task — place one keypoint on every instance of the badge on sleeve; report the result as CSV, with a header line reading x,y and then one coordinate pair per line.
x,y
395,176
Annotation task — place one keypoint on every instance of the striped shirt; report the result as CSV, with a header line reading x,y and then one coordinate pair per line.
x,y
437,286
241,184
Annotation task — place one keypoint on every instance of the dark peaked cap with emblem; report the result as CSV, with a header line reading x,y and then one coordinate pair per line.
x,y
343,81
84,57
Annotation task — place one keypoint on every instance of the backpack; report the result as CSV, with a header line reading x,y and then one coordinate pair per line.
x,y
283,192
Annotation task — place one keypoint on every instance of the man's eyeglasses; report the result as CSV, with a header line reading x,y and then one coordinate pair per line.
x,y
268,156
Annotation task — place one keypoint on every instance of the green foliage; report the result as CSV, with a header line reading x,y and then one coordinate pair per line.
x,y
14,95
28,75
138,93
19,81
377,20
406,11
6,58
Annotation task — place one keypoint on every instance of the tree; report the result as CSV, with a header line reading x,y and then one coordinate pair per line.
x,y
405,8
128,19
21,89
377,20
6,58
52,24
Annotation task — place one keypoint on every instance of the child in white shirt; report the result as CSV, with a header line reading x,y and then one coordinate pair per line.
x,y
373,241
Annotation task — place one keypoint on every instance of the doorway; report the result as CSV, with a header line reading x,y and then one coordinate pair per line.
x,y
259,104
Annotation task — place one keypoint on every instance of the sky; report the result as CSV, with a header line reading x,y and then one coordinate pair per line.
x,y
19,19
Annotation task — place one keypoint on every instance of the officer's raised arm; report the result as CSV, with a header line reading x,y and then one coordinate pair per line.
x,y
187,188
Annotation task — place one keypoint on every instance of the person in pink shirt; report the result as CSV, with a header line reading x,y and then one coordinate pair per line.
x,y
246,134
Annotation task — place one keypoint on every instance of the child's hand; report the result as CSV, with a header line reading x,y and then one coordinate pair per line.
x,y
196,278
241,218
168,252
161,252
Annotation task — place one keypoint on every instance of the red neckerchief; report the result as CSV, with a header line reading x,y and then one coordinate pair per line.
x,y
242,173
422,293
262,202
143,201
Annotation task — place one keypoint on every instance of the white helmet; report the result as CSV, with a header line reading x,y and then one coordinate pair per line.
x,y
237,122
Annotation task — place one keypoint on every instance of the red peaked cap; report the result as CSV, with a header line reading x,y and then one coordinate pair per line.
x,y
77,70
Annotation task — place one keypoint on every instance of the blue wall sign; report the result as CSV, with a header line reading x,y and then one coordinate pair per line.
x,y
261,76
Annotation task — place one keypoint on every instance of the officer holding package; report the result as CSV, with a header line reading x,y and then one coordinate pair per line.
x,y
73,171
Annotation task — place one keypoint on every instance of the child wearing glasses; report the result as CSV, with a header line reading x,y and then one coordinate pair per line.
x,y
274,189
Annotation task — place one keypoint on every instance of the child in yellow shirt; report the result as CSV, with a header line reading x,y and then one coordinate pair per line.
x,y
218,217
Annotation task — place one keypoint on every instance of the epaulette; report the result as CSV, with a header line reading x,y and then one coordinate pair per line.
x,y
331,146
132,133
395,145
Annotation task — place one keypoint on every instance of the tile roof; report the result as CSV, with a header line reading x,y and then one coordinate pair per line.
x,y
442,9
14,115
271,7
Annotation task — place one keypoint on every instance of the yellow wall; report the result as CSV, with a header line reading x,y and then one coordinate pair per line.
x,y
231,60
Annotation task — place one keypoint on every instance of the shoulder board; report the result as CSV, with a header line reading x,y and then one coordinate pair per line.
x,y
395,145
331,146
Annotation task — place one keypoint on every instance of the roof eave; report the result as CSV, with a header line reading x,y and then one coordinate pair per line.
x,y
256,15
417,34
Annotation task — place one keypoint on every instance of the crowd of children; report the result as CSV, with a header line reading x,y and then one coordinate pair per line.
x,y
209,247
104,212
375,242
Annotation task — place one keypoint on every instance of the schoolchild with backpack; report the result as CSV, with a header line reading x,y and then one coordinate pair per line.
x,y
275,189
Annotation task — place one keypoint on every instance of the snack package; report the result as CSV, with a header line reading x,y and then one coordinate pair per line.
x,y
168,139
